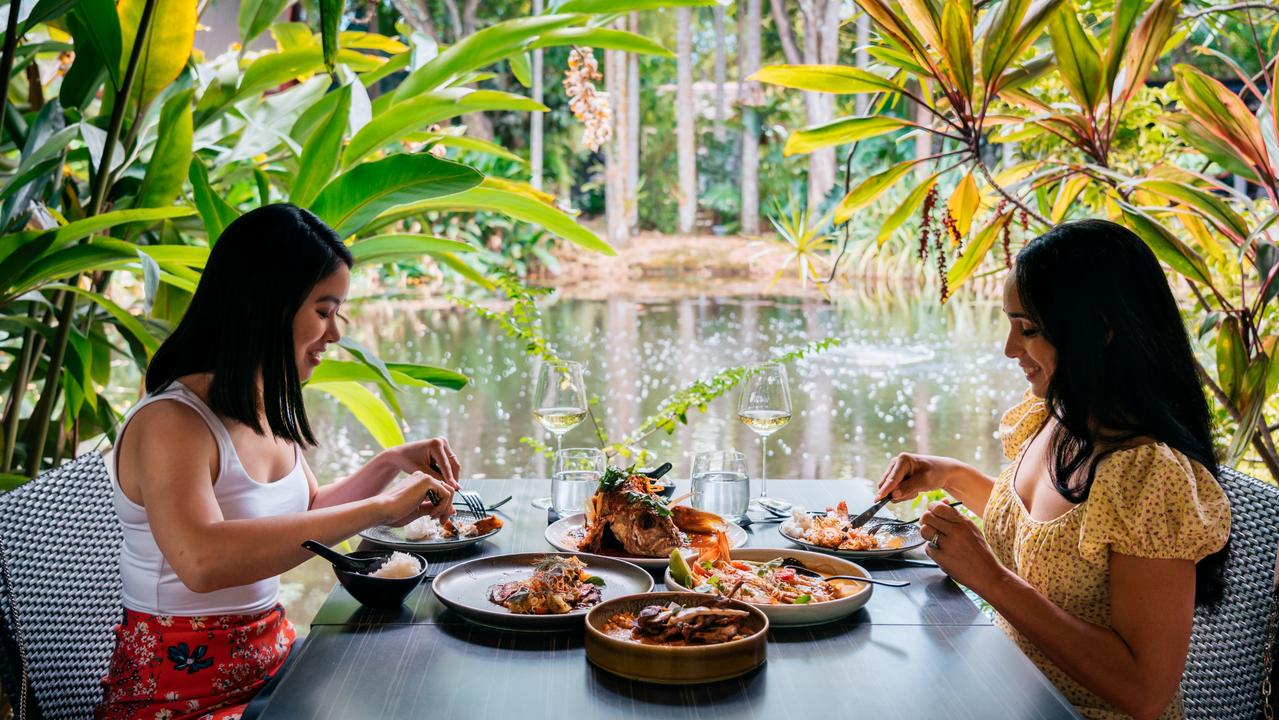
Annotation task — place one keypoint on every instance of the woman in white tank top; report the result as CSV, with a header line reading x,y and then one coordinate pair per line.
x,y
212,489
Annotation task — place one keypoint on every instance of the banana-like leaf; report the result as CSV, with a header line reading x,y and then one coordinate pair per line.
x,y
166,49
1208,205
167,169
256,16
321,152
477,145
214,211
976,251
96,28
81,229
370,411
522,69
602,38
403,246
330,23
1147,45
1077,57
460,267
839,132
510,203
126,322
1225,115
1166,246
868,190
963,204
837,79
72,261
44,11
358,195
417,113
414,374
904,211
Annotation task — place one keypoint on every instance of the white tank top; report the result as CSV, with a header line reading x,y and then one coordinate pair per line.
x,y
150,584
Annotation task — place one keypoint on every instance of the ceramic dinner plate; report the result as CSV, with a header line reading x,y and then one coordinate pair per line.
x,y
393,537
464,588
565,533
891,543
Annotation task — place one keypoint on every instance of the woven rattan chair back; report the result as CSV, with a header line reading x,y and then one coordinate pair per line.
x,y
61,543
1224,669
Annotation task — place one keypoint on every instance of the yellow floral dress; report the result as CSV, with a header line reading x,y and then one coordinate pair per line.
x,y
1147,501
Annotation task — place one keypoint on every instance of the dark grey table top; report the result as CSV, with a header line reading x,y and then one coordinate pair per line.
x,y
924,649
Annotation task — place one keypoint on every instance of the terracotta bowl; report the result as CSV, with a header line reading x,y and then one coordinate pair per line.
x,y
686,665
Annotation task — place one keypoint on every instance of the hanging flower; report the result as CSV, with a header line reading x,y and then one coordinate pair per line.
x,y
925,221
1006,235
589,105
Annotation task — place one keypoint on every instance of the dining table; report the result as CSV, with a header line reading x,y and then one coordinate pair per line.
x,y
925,650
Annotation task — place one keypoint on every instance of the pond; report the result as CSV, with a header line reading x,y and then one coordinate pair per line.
x,y
910,374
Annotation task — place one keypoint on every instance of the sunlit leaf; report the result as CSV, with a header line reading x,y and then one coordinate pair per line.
x,y
837,79
868,190
256,16
957,45
1147,45
214,211
1213,147
976,251
1166,246
403,246
358,195
1121,25
1211,206
905,210
1224,114
964,202
167,169
367,408
1067,193
168,44
321,152
601,38
1077,57
841,131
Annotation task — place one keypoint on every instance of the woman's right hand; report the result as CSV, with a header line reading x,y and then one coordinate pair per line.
x,y
411,499
910,474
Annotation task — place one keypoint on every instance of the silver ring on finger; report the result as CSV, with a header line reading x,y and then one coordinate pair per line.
x,y
935,541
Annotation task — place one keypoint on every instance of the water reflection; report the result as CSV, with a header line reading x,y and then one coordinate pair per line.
x,y
910,375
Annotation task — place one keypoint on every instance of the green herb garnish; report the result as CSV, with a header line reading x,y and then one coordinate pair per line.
x,y
595,580
651,502
802,599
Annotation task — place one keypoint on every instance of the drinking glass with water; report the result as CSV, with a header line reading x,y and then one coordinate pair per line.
x,y
720,484
577,475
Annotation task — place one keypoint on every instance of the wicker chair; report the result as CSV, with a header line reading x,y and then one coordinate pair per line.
x,y
60,597
1224,670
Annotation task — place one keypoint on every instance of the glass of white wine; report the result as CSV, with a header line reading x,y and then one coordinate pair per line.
x,y
559,404
764,406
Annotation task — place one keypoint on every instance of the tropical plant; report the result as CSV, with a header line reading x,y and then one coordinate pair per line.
x,y
125,152
1078,99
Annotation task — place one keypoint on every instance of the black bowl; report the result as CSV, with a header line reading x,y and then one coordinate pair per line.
x,y
376,592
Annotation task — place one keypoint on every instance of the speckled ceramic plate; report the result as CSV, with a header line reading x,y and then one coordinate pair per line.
x,y
393,537
894,542
565,533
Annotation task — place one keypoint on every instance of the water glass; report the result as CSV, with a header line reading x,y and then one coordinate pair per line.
x,y
720,484
577,475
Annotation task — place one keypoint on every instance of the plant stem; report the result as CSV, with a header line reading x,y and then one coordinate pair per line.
x,y
6,64
985,173
1228,8
13,408
38,425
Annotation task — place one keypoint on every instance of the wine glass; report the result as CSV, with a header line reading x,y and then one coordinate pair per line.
x,y
764,406
559,404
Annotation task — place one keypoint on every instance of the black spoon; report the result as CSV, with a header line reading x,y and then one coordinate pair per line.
x,y
801,568
363,566
657,472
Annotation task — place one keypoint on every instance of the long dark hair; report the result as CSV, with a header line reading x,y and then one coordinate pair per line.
x,y
1124,362
240,320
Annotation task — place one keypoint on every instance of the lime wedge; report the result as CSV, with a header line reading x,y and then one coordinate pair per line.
x,y
680,570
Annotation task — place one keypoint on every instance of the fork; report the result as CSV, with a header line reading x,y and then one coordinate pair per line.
x,y
473,502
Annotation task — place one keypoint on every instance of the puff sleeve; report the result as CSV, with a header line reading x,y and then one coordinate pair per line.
x,y
1153,502
1020,423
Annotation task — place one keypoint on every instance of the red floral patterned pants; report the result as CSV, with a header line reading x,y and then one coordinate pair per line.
x,y
167,667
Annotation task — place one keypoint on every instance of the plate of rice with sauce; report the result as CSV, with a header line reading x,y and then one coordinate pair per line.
x,y
426,534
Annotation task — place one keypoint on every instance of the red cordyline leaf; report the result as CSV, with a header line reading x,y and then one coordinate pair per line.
x,y
1225,115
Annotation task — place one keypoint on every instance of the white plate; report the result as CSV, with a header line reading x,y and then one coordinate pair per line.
x,y
907,540
811,613
560,534
393,537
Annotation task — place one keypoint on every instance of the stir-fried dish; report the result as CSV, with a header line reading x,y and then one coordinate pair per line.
x,y
832,530
558,585
674,625
760,583
626,512
427,528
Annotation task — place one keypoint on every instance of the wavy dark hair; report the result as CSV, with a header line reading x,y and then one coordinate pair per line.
x,y
1124,362
240,320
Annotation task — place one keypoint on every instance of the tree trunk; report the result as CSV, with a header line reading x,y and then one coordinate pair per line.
x,y
750,96
923,141
632,131
821,37
685,122
615,149
862,58
535,150
721,102
782,20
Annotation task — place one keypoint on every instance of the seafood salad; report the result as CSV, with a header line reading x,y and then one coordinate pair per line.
x,y
710,623
558,585
831,530
626,511
428,528
766,583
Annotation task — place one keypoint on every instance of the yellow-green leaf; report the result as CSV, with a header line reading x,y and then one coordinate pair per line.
x,y
841,131
957,45
1205,203
963,203
835,79
905,210
367,408
1077,57
1066,194
975,252
1232,359
1147,45
1224,114
869,189
166,48
1165,245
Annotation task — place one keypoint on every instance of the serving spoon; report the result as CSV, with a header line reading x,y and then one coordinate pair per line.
x,y
363,566
803,569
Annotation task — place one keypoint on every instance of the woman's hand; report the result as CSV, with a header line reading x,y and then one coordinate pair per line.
x,y
433,457
959,548
909,475
412,499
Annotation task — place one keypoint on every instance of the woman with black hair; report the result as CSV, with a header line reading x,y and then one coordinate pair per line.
x,y
212,489
1109,525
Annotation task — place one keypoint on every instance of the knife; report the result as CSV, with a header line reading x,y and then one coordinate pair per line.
x,y
870,513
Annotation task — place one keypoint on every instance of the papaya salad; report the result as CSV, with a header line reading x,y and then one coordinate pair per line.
x,y
760,583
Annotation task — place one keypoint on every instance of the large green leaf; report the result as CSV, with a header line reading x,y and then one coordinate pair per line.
x,y
1121,25
1224,114
601,38
320,154
168,44
256,16
72,261
413,374
1077,57
1147,45
330,23
403,246
476,145
167,169
841,131
957,45
81,229
1213,147
1232,358
904,211
96,29
421,111
353,198
838,79
869,189
124,320
46,10
371,412
1166,246
214,211
512,204
1208,205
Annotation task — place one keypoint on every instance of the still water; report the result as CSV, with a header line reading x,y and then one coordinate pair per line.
x,y
909,375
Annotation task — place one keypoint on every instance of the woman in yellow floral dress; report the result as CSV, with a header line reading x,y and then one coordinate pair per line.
x,y
1108,525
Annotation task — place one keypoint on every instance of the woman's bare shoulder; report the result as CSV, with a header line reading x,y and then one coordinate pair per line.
x,y
165,426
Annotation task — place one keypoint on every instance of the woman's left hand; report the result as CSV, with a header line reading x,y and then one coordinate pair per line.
x,y
433,457
958,547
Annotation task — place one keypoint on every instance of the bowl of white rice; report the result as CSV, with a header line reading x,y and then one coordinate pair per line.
x,y
388,585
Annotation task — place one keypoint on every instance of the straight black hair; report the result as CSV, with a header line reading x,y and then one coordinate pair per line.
x,y
239,325
1124,361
